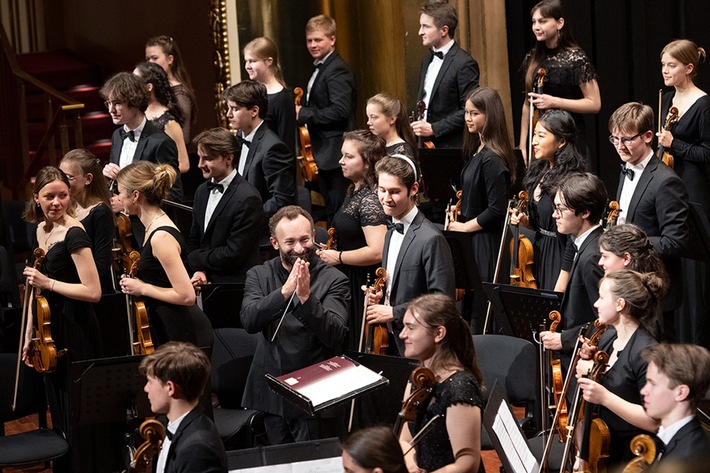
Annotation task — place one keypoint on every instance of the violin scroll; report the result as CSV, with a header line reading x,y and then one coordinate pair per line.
x,y
423,382
153,432
644,449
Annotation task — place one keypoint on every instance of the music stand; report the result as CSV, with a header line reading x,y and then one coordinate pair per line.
x,y
222,302
699,233
441,172
520,311
309,451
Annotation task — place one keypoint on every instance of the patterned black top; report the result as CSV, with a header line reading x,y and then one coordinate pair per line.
x,y
163,120
434,451
360,209
401,148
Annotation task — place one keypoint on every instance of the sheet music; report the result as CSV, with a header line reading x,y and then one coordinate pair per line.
x,y
514,445
345,381
323,465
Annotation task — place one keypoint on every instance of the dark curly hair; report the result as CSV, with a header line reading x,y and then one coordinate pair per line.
x,y
155,75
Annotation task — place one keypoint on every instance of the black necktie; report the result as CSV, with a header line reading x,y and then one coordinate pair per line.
x,y
127,134
211,185
399,227
243,140
627,172
439,54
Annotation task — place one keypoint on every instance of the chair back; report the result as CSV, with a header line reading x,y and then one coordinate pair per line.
x,y
232,355
512,363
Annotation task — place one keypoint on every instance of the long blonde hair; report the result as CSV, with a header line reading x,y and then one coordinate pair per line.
x,y
264,48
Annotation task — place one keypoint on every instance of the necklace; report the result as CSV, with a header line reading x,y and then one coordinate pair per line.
x,y
147,227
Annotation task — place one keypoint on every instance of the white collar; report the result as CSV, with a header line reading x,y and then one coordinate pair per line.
x,y
445,48
580,239
667,433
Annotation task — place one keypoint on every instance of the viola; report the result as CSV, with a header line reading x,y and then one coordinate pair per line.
x,y
376,335
662,154
521,249
421,108
309,168
538,88
644,449
153,432
423,383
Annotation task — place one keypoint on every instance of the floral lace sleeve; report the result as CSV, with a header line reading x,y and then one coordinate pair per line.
x,y
371,213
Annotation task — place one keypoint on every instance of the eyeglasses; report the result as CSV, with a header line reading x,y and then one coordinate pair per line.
x,y
626,141
560,209
113,103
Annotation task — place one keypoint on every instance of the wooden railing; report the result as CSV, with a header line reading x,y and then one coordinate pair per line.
x,y
17,162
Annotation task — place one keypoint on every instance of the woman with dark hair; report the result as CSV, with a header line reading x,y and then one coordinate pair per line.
x,y
387,118
436,335
90,191
486,177
163,50
555,157
374,450
628,302
163,111
360,224
261,61
627,247
570,79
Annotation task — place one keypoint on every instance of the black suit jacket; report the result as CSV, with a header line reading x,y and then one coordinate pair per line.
x,y
659,205
230,244
196,446
329,111
690,443
582,290
424,265
457,77
271,169
155,146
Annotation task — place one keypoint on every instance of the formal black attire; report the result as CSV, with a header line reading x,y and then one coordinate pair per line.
x,y
435,451
196,446
229,246
360,209
690,444
271,169
691,152
281,117
625,379
565,69
457,77
424,265
329,112
168,322
310,333
161,122
155,146
101,230
402,148
187,110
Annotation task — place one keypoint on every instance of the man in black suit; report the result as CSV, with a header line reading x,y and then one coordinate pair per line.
x,y
265,161
227,214
416,256
136,139
448,74
177,374
651,196
580,201
299,304
677,379
329,109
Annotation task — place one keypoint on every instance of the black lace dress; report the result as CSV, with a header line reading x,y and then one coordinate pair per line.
x,y
565,69
360,209
434,451
163,120
401,148
187,109
168,322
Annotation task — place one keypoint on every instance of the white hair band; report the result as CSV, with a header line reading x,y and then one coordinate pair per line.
x,y
406,158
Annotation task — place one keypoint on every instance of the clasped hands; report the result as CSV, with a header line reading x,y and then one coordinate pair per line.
x,y
298,282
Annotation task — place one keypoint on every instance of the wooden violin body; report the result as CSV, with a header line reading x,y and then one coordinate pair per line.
x,y
558,383
423,382
153,432
309,168
594,439
376,335
522,255
662,154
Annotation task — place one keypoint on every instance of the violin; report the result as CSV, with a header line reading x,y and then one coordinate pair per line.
x,y
309,168
141,340
662,154
423,383
538,86
522,253
376,336
594,439
612,214
558,382
644,449
332,238
421,108
153,432
453,216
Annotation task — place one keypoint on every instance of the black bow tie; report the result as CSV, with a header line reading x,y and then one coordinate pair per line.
x,y
399,227
243,140
127,134
439,54
169,434
627,172
211,185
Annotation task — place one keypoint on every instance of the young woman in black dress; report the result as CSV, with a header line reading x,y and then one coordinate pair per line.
x,y
435,334
387,118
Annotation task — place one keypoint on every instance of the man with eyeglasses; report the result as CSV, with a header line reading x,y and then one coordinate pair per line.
x,y
126,98
652,196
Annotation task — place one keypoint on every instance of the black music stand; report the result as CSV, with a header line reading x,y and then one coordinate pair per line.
x,y
520,311
441,173
287,453
466,274
222,302
699,232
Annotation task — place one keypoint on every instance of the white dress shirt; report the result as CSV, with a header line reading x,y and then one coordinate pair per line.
x,y
215,196
395,245
128,150
627,191
433,71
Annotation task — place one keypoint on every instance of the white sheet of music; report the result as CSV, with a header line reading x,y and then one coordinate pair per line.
x,y
514,445
323,465
343,382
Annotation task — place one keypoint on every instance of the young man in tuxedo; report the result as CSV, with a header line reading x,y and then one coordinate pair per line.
x,y
448,74
416,256
652,196
177,374
677,379
265,161
329,109
227,214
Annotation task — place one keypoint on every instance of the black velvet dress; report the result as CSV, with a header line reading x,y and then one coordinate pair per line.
x,y
691,152
435,451
281,117
360,209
